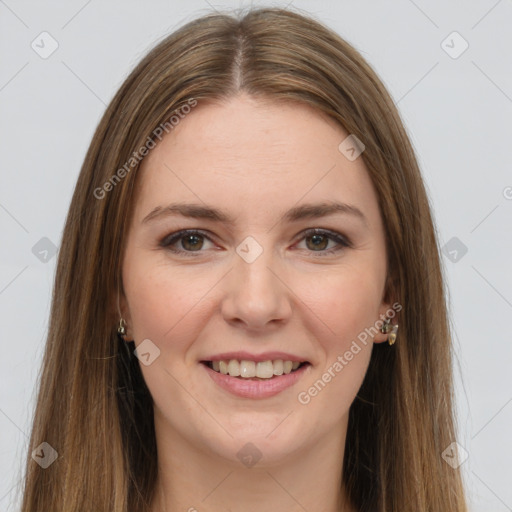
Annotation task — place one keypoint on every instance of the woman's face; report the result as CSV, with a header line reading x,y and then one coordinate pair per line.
x,y
255,286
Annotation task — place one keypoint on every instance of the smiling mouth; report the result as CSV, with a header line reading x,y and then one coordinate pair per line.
x,y
251,370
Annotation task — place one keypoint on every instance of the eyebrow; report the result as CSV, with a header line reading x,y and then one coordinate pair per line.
x,y
306,211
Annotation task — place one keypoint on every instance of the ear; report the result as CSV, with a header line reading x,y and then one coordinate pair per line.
x,y
384,310
388,309
125,314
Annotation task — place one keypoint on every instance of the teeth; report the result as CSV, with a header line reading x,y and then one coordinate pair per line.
x,y
264,369
223,367
233,368
249,369
278,367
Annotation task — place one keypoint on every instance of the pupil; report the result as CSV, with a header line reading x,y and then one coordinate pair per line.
x,y
195,239
317,241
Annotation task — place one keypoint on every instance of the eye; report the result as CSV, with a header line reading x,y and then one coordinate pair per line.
x,y
192,240
318,239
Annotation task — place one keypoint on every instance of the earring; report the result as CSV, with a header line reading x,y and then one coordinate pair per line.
x,y
121,330
392,329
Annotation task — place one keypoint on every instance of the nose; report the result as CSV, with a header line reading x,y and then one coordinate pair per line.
x,y
256,296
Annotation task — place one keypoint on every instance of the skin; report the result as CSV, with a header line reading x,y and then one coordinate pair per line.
x,y
255,160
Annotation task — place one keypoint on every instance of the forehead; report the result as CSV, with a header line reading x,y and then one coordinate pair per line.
x,y
255,158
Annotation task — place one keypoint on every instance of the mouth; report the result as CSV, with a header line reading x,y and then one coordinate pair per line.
x,y
256,371
251,379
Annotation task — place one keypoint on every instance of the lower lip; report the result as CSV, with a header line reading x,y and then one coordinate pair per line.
x,y
247,388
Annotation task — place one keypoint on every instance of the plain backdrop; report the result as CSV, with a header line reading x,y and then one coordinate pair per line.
x,y
446,65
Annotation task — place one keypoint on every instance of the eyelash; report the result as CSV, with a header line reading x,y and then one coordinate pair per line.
x,y
169,240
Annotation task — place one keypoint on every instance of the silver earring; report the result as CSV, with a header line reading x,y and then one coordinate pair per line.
x,y
392,329
121,330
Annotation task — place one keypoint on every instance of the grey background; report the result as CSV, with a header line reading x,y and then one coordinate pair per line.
x,y
457,112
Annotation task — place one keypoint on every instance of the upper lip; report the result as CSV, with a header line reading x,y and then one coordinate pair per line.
x,y
247,356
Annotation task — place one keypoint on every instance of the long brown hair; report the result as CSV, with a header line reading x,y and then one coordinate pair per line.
x,y
93,406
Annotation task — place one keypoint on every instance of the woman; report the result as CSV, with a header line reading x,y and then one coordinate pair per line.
x,y
248,237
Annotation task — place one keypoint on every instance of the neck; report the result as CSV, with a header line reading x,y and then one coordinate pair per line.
x,y
194,481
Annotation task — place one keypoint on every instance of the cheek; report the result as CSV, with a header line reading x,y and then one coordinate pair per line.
x,y
167,307
345,303
343,310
